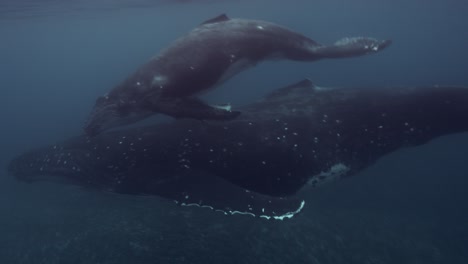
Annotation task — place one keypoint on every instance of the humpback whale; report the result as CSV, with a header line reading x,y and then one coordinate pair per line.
x,y
207,56
297,137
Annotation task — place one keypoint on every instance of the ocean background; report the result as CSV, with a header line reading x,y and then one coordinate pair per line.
x,y
57,57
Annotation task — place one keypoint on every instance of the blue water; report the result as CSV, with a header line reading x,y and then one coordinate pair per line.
x,y
56,57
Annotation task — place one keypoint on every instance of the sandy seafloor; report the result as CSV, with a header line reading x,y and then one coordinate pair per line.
x,y
57,57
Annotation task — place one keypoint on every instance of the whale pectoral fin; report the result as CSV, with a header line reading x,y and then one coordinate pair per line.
x,y
351,47
193,108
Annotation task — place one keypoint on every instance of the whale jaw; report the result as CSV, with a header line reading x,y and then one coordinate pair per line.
x,y
107,115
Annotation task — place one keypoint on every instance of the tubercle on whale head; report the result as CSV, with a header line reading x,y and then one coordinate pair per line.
x,y
53,163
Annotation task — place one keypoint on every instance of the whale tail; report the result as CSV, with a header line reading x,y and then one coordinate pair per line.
x,y
352,47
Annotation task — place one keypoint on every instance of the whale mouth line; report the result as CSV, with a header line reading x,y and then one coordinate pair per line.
x,y
55,176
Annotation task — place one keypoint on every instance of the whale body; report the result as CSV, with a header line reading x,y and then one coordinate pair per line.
x,y
207,56
295,138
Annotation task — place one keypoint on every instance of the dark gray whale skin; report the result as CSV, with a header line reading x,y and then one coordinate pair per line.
x,y
207,56
296,137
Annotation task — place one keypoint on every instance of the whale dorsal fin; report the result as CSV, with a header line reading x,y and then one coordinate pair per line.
x,y
217,19
304,85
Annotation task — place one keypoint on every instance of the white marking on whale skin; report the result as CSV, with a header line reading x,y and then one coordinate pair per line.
x,y
348,41
288,215
334,173
159,80
322,88
242,213
226,107
343,41
232,58
197,205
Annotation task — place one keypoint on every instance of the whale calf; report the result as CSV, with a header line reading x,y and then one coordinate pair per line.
x,y
204,58
297,137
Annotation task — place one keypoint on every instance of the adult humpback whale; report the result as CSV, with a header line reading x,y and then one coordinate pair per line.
x,y
300,135
207,56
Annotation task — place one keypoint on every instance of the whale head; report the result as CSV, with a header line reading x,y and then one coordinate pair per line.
x,y
53,164
78,161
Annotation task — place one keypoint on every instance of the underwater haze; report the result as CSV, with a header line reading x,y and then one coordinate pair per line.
x,y
57,57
